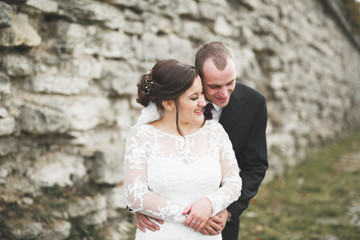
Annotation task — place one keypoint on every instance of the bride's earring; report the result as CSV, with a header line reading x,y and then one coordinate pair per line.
x,y
168,105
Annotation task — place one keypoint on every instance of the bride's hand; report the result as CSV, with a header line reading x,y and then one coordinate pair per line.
x,y
198,214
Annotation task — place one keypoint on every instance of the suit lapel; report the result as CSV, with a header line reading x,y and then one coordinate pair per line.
x,y
232,112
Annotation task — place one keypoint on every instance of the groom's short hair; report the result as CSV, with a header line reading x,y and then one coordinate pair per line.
x,y
217,51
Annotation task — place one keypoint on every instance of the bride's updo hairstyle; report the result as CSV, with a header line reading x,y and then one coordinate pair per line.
x,y
167,80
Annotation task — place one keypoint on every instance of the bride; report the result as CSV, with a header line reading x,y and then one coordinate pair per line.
x,y
178,167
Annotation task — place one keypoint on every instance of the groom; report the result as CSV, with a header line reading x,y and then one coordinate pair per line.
x,y
242,112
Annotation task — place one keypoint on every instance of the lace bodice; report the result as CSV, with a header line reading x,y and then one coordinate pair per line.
x,y
164,173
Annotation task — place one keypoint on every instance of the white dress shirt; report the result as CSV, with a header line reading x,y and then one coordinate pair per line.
x,y
216,111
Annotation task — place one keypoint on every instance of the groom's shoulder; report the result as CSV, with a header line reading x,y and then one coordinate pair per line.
x,y
248,92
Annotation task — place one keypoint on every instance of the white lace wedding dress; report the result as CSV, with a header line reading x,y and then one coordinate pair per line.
x,y
164,173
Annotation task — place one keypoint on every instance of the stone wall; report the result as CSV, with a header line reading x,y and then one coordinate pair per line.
x,y
68,74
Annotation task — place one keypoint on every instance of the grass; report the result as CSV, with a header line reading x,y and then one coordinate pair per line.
x,y
312,202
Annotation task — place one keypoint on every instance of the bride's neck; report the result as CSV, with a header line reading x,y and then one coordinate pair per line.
x,y
168,124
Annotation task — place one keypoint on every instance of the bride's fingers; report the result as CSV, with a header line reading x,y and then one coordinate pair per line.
x,y
189,221
197,224
193,223
186,210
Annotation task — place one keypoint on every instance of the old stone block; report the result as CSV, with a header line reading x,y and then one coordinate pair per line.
x,y
4,83
3,113
268,10
120,229
263,26
209,11
47,6
28,230
278,80
76,38
123,118
323,48
17,65
86,205
59,230
7,126
187,54
27,201
40,120
70,32
136,28
251,4
57,168
265,44
119,78
115,44
93,138
20,33
187,7
87,112
155,47
109,15
79,113
80,69
5,15
278,167
116,198
272,63
223,27
195,30
246,65
126,3
8,145
67,85
159,25
3,173
97,218
107,167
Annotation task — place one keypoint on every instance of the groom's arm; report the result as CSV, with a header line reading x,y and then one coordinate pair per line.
x,y
252,169
253,162
216,223
144,222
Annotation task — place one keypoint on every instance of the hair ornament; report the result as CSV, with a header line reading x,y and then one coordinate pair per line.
x,y
148,81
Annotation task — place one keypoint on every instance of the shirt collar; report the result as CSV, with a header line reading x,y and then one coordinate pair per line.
x,y
216,107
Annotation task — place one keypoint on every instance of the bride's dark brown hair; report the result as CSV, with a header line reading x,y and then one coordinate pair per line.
x,y
167,80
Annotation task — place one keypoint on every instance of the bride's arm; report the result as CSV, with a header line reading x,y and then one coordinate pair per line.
x,y
138,196
229,190
231,182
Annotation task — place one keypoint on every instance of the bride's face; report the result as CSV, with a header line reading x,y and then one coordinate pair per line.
x,y
191,103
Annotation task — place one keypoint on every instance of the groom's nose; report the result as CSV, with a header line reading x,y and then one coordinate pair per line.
x,y
224,92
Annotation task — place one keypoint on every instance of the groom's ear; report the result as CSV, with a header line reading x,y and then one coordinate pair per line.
x,y
168,105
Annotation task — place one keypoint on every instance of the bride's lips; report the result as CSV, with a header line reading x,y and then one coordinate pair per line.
x,y
199,112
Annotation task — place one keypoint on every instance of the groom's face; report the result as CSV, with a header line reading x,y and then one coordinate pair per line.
x,y
218,84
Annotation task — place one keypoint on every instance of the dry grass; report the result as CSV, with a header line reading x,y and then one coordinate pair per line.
x,y
320,200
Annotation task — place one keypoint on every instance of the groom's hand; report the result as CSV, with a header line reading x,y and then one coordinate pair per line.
x,y
143,222
216,223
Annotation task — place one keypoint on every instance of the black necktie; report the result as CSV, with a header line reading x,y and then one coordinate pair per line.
x,y
207,113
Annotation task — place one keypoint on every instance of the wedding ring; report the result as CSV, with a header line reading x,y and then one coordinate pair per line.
x,y
193,222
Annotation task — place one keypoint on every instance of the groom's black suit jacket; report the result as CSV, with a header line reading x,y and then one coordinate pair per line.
x,y
244,119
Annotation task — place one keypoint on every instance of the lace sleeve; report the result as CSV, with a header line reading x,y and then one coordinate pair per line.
x,y
138,196
231,182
